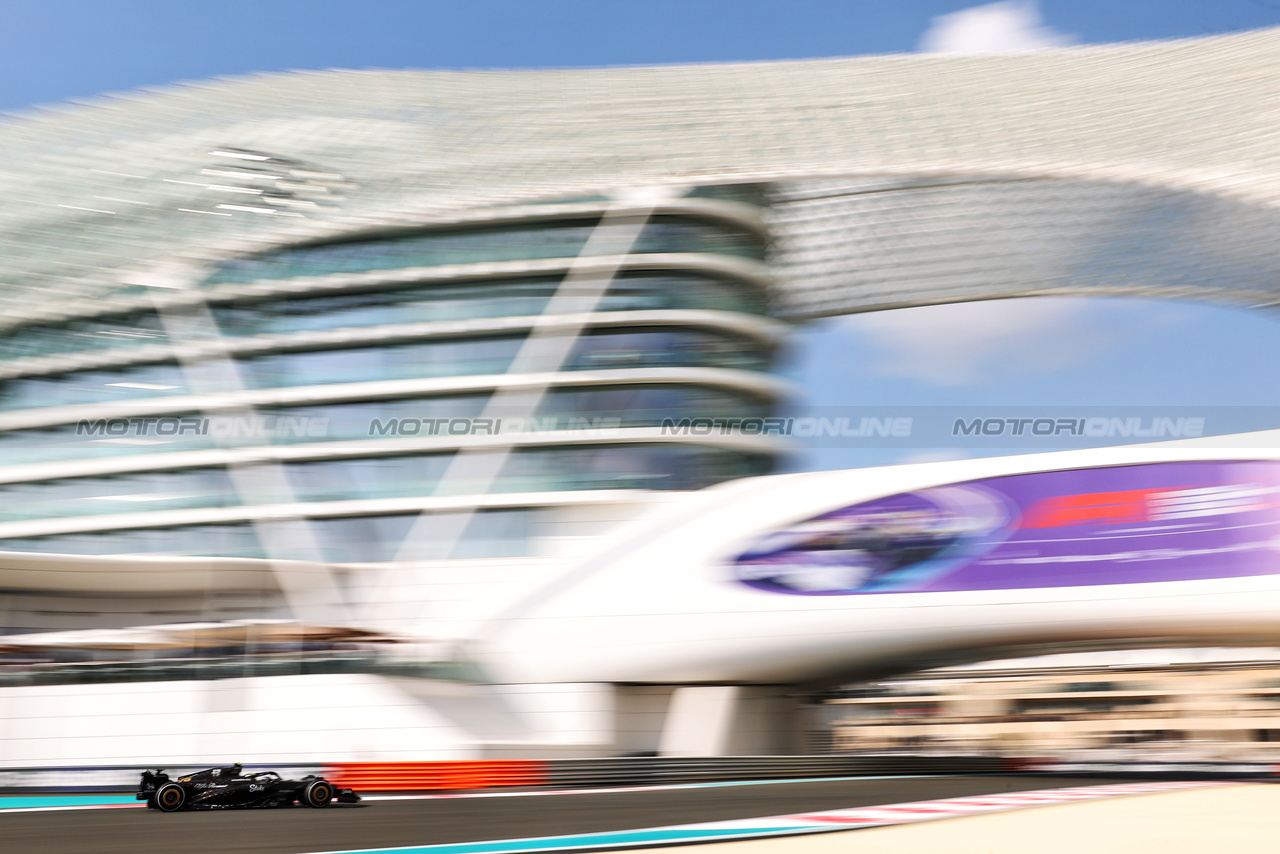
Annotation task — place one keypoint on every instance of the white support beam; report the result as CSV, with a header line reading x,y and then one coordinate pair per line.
x,y
544,352
306,580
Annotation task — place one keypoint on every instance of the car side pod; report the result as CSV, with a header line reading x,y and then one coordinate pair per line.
x,y
318,794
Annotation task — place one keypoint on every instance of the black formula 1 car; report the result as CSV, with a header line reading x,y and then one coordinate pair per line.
x,y
233,788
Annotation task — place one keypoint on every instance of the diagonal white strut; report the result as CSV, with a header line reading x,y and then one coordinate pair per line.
x,y
545,351
297,560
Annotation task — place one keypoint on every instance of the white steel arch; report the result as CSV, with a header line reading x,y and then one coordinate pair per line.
x,y
96,191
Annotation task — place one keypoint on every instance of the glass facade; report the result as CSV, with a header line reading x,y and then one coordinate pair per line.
x,y
91,333
599,350
502,298
523,242
299,293
618,406
543,469
358,539
392,304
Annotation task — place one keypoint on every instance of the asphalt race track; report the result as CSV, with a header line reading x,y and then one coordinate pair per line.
x,y
377,824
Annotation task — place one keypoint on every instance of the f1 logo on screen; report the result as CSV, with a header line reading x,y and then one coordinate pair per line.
x,y
1144,505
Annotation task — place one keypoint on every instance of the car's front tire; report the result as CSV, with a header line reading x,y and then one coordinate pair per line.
x,y
170,797
318,794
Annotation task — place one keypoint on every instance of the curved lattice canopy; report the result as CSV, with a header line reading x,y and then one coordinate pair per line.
x,y
1056,171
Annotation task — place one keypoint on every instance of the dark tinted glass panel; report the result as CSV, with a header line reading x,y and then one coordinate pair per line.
x,y
676,234
492,533
605,349
98,333
93,387
647,406
320,367
389,305
526,470
377,308
436,303
133,493
369,364
426,249
751,194
658,467
509,243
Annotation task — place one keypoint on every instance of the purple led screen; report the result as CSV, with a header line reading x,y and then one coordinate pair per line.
x,y
1118,525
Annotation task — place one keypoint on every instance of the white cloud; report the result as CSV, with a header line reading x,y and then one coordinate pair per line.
x,y
968,343
994,28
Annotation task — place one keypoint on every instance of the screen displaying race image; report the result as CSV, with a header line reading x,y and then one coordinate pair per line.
x,y
1116,525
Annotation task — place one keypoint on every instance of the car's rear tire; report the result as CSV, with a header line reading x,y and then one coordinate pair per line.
x,y
170,797
318,794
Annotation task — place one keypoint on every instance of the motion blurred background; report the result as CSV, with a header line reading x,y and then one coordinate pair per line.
x,y
315,383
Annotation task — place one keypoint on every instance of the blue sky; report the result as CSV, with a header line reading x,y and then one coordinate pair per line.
x,y
51,50
1085,352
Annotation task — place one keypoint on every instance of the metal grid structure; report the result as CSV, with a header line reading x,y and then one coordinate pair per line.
x,y
100,194
846,246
